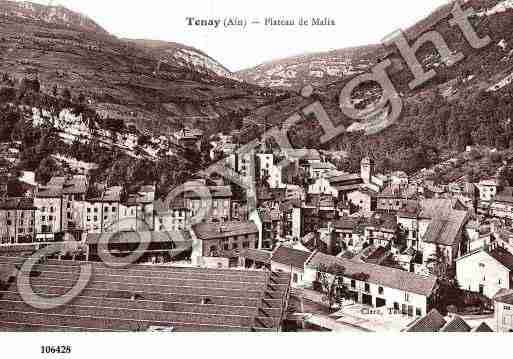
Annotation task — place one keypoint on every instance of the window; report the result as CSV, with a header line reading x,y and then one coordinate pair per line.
x,y
245,245
396,307
507,307
406,297
226,247
113,209
235,246
88,210
295,278
381,291
353,283
367,287
418,312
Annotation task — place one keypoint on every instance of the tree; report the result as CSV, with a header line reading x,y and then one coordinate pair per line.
x,y
46,170
437,263
66,94
332,284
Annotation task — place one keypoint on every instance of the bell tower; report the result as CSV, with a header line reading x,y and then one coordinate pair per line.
x,y
367,170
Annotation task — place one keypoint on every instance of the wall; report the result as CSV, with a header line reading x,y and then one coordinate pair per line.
x,y
419,303
299,272
481,269
504,317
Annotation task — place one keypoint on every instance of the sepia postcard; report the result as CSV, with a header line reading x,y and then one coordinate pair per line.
x,y
253,168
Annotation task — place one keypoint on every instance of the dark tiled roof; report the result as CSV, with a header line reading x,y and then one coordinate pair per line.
x,y
215,192
205,231
431,323
504,296
256,255
482,328
446,231
456,325
140,237
26,204
290,257
385,276
347,223
503,257
355,177
506,195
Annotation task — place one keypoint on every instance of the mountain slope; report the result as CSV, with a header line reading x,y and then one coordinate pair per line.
x,y
57,15
312,69
465,104
183,56
118,78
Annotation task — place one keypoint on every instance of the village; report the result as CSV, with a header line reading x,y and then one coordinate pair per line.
x,y
360,251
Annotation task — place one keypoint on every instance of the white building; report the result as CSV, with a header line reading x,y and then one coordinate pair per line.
x,y
378,286
503,301
485,271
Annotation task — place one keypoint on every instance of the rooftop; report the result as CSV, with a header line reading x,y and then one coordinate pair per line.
x,y
23,204
506,195
385,276
205,231
504,296
431,323
446,231
456,325
290,257
140,297
139,237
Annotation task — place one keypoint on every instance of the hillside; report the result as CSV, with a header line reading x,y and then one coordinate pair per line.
x,y
316,69
468,103
180,55
117,78
57,15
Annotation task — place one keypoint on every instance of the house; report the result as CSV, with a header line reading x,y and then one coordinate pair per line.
x,y
272,227
486,271
148,247
396,197
17,220
59,207
434,226
255,259
171,215
377,286
364,199
356,233
503,302
223,241
502,206
289,260
399,178
444,236
341,185
220,199
319,170
137,211
488,190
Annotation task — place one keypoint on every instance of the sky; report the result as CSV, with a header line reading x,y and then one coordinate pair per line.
x,y
358,22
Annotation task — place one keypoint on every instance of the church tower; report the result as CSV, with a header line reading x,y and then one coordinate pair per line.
x,y
367,170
